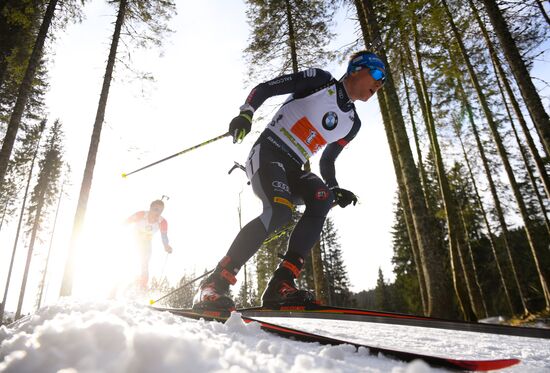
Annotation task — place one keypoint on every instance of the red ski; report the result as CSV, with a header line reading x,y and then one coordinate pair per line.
x,y
300,335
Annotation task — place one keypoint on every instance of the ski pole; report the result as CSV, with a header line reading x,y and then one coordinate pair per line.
x,y
181,287
164,265
179,153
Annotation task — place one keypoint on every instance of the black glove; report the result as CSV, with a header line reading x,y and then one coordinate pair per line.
x,y
343,197
240,126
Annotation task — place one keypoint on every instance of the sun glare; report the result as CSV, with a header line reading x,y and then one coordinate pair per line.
x,y
106,263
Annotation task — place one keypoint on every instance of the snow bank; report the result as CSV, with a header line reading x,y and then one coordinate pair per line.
x,y
75,337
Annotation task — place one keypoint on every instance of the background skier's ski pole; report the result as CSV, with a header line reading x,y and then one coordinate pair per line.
x,y
164,266
181,287
179,153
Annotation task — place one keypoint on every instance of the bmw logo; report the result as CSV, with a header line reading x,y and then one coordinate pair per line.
x,y
330,121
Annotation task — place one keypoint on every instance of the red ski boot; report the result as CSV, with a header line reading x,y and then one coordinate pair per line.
x,y
281,290
213,294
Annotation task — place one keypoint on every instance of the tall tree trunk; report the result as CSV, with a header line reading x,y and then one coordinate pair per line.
x,y
490,234
34,232
24,91
4,214
421,168
523,79
540,5
498,206
543,174
525,159
504,156
439,299
515,105
246,289
67,284
43,281
474,275
327,261
19,225
492,186
402,196
321,290
405,205
460,266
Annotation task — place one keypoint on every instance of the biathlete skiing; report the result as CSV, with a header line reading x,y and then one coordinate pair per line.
x,y
147,223
319,112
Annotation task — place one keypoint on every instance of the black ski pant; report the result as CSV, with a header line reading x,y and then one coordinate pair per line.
x,y
279,182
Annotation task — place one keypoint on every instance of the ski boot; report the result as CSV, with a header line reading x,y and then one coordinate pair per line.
x,y
281,291
213,295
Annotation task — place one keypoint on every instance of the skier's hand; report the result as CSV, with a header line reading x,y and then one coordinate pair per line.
x,y
168,249
343,197
240,126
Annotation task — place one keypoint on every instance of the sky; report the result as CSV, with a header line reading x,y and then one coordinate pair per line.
x,y
199,85
125,337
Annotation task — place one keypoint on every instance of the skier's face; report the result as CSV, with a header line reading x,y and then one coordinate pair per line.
x,y
361,85
156,210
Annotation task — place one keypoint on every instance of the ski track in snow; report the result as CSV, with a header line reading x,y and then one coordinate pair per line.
x,y
533,352
87,337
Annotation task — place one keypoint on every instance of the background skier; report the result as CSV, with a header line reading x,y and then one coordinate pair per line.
x,y
146,223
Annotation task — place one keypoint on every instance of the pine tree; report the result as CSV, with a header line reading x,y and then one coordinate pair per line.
x,y
528,225
19,22
446,63
183,298
382,295
247,296
42,285
43,196
24,90
406,280
520,71
494,259
460,265
336,276
287,36
503,80
32,141
437,300
18,170
491,168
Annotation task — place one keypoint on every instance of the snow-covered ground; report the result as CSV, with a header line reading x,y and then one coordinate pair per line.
x,y
115,337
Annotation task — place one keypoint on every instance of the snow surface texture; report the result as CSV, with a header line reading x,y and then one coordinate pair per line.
x,y
82,337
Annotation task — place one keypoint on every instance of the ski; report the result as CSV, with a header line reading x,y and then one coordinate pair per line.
x,y
303,336
353,314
